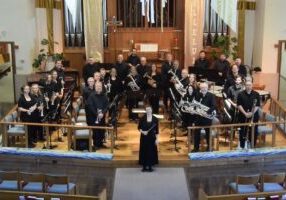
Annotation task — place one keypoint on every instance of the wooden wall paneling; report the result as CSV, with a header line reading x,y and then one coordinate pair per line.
x,y
76,58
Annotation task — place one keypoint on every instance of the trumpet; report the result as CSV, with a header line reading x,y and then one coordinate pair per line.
x,y
178,85
132,84
47,101
108,86
150,81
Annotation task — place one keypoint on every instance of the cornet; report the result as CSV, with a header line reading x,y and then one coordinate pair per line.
x,y
132,84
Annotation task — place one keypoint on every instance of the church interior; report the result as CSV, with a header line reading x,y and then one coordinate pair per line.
x,y
142,99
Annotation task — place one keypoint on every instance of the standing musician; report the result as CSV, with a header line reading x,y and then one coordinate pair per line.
x,y
104,78
133,59
97,105
87,91
202,62
166,66
248,102
89,68
96,77
57,95
60,71
121,68
143,67
222,66
207,99
149,130
153,79
241,68
27,106
133,85
116,85
40,112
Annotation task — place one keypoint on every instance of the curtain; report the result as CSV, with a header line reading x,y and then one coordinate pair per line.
x,y
93,29
194,28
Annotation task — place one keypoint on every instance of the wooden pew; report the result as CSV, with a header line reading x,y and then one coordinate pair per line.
x,y
204,196
12,195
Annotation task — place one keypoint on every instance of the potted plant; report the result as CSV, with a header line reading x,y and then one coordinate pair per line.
x,y
46,60
227,45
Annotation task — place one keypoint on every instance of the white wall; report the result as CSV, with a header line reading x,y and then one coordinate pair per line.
x,y
270,27
17,23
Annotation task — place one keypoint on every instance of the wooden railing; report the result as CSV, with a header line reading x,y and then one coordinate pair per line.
x,y
12,195
204,196
232,128
279,110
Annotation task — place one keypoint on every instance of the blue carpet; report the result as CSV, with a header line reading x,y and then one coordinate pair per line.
x,y
55,153
266,152
162,184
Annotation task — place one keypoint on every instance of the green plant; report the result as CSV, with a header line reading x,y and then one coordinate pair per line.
x,y
43,55
227,45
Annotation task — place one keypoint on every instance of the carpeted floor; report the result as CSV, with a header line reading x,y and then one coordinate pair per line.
x,y
162,184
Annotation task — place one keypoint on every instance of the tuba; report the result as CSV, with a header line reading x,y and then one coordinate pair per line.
x,y
196,108
178,84
132,84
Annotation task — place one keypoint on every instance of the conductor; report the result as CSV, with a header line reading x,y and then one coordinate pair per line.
x,y
148,127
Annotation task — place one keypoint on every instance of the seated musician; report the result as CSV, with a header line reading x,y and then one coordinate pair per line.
x,y
116,87
133,59
27,106
241,67
174,79
193,82
230,81
39,112
97,105
86,92
207,99
202,62
222,67
96,77
133,85
153,79
248,102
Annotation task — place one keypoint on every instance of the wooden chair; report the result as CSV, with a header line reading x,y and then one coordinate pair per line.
x,y
59,184
9,180
32,182
245,184
273,182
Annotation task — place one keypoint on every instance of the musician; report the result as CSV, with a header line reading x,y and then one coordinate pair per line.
x,y
207,99
174,78
222,66
57,95
241,68
149,130
96,77
58,85
248,102
185,77
103,75
88,89
153,87
116,87
230,81
133,59
59,68
133,85
27,106
143,67
166,66
188,118
97,105
202,62
89,68
39,112
121,68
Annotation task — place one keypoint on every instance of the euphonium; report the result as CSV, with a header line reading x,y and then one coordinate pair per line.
x,y
178,85
132,84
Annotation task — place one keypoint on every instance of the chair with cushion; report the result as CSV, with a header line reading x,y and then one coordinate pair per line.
x,y
82,134
32,182
245,184
273,182
14,131
9,180
264,130
59,184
